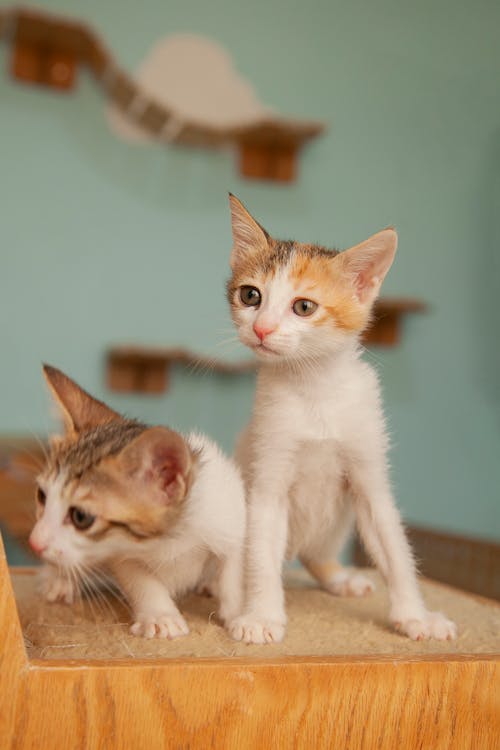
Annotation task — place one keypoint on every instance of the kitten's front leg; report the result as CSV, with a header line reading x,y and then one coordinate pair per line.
x,y
155,613
57,585
380,527
264,618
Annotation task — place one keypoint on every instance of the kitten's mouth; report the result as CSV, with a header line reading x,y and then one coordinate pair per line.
x,y
261,347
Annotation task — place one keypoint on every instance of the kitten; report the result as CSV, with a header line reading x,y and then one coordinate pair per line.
x,y
158,511
315,449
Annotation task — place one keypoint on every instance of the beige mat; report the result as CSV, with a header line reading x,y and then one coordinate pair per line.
x,y
319,625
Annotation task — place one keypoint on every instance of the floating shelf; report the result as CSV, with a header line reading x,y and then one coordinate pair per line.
x,y
142,369
47,49
387,324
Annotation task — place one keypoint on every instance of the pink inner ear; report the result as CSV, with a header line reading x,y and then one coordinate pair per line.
x,y
169,472
171,479
363,284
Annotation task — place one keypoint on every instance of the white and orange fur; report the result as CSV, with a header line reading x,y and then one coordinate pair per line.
x,y
166,513
314,453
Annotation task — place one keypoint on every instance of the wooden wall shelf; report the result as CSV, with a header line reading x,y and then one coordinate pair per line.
x,y
47,49
388,316
141,369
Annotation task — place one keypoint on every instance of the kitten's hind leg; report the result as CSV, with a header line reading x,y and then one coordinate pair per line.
x,y
339,580
321,561
381,529
230,586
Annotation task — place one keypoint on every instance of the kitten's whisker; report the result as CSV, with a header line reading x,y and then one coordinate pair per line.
x,y
110,585
42,445
230,340
371,354
201,365
91,596
93,577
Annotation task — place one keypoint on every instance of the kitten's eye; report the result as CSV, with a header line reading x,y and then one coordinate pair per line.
x,y
250,296
80,519
41,496
304,307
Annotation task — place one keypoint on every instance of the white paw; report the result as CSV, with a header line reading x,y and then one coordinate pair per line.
x,y
427,625
350,583
57,588
159,626
251,629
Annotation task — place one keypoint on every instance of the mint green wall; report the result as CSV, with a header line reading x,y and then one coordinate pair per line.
x,y
102,243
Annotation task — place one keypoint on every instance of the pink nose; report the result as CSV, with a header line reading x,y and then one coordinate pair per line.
x,y
36,546
262,330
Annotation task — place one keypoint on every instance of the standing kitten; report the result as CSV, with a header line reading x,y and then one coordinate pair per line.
x,y
158,511
316,445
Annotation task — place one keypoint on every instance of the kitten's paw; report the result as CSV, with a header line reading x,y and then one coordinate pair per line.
x,y
428,625
254,630
57,588
350,583
160,626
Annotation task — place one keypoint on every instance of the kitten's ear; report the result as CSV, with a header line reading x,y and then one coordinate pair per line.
x,y
248,235
367,264
161,459
78,409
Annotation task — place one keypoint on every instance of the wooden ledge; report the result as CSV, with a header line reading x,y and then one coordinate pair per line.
x,y
139,369
388,315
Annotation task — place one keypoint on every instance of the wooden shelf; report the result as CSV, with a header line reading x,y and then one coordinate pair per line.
x,y
47,48
139,369
142,369
388,316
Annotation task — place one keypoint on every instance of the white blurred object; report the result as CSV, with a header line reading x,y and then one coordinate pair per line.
x,y
196,78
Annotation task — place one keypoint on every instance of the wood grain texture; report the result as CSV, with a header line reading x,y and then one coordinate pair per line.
x,y
13,660
302,704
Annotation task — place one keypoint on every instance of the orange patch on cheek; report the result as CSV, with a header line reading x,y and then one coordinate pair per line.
x,y
337,304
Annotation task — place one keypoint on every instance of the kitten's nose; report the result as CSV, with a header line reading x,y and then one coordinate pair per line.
x,y
261,330
37,547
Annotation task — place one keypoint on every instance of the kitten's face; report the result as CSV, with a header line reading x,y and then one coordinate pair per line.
x,y
292,301
107,486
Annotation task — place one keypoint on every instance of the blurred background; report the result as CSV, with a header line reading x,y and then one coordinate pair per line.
x,y
105,243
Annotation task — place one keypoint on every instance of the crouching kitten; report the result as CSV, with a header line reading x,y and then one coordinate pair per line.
x,y
160,512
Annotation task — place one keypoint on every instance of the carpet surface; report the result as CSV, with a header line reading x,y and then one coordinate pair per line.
x,y
319,625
